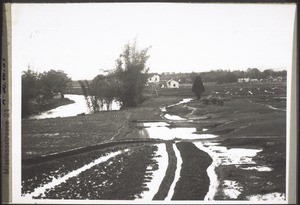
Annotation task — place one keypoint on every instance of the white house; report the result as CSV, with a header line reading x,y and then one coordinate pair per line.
x,y
253,80
172,84
154,78
243,80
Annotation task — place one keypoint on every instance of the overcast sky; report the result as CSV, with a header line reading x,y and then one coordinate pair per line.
x,y
82,39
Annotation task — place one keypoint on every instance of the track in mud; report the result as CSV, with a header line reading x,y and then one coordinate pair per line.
x,y
123,176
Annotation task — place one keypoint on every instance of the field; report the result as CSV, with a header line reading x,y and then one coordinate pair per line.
x,y
252,117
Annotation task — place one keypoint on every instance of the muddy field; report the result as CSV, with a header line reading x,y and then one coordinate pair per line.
x,y
174,150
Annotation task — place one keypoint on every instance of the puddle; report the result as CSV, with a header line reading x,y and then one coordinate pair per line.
x,y
57,181
258,168
223,156
161,130
161,156
173,117
276,196
232,189
275,108
185,100
163,109
177,173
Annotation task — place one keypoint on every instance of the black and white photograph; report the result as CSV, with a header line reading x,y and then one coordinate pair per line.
x,y
151,102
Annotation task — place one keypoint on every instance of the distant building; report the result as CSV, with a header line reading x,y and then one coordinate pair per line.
x,y
243,80
253,80
172,84
155,78
279,78
269,79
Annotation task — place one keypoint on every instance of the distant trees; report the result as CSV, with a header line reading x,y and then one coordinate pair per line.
x,y
198,87
39,88
227,76
125,83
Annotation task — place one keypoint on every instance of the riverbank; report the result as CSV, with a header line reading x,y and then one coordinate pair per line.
x,y
33,109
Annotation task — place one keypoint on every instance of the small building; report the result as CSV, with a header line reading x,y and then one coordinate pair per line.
x,y
253,80
243,80
269,79
279,78
172,84
155,78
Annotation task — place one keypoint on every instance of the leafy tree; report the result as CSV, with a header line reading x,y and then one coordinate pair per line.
x,y
102,89
198,87
54,82
30,90
131,74
30,85
38,89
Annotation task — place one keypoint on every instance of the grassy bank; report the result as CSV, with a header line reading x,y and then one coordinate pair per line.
x,y
30,108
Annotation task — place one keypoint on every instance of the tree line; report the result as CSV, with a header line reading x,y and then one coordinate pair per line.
x,y
226,76
39,89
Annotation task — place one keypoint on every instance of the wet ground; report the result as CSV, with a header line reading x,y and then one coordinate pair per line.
x,y
189,152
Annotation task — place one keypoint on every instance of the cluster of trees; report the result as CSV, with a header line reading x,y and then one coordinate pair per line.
x,y
125,83
227,76
40,88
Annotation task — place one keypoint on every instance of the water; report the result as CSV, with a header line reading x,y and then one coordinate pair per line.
x,y
161,130
161,157
73,109
57,181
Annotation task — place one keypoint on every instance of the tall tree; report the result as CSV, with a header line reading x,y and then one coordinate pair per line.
x,y
198,87
131,74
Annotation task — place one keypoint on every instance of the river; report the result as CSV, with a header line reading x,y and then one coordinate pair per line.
x,y
79,107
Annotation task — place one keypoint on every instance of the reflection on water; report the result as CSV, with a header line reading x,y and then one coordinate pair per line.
x,y
275,197
161,130
173,117
161,157
73,109
177,173
223,156
57,181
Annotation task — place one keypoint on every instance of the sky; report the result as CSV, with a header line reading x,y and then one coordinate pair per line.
x,y
84,39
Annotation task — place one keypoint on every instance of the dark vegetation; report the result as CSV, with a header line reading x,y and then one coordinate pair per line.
x,y
198,87
224,76
125,83
39,91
